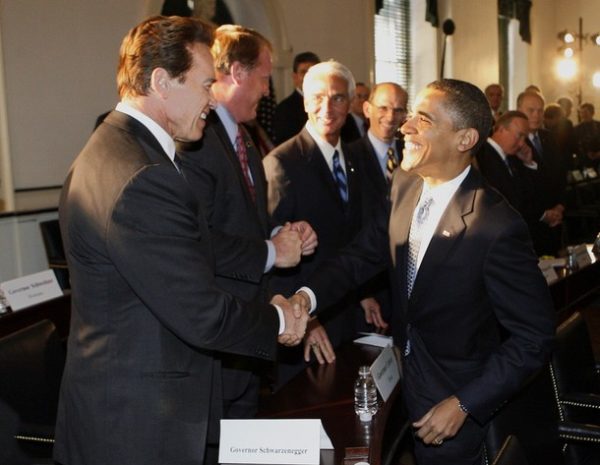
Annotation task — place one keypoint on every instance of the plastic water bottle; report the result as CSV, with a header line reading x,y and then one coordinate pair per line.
x,y
365,395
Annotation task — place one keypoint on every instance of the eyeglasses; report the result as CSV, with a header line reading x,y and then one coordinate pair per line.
x,y
337,99
395,111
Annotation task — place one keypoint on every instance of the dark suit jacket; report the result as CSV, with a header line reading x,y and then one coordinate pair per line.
x,y
376,185
213,170
147,313
301,186
289,118
517,188
350,131
239,226
549,190
375,190
478,275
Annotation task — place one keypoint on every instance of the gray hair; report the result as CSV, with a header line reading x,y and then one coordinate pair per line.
x,y
330,68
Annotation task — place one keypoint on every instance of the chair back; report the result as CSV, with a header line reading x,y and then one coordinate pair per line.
x,y
573,362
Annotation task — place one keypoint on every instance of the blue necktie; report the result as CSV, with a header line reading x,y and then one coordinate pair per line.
x,y
537,144
340,177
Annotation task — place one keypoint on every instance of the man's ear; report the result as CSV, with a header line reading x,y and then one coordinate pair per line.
x,y
160,81
367,109
237,72
467,138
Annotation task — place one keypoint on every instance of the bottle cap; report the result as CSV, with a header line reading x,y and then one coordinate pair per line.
x,y
365,416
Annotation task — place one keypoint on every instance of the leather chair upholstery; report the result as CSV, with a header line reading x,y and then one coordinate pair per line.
x,y
576,385
31,365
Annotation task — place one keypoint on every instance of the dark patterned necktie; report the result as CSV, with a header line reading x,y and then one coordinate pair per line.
x,y
391,162
240,148
340,177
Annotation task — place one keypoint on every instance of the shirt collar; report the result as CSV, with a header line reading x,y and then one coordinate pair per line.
x,y
326,148
231,127
494,144
164,139
443,193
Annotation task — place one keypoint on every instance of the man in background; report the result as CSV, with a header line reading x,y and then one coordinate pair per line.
x,y
494,94
290,115
141,385
225,172
549,195
356,124
315,177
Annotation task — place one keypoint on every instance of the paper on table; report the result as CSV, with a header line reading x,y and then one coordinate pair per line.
x,y
374,339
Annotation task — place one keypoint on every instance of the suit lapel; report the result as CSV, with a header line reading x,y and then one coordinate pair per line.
x,y
235,162
406,190
317,162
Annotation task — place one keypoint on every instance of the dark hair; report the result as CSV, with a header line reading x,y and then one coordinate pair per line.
x,y
159,42
507,118
237,43
305,57
467,106
588,106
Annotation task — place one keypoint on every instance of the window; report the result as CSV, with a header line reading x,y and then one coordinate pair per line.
x,y
392,43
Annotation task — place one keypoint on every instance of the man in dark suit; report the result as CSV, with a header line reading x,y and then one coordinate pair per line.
x,y
225,171
356,123
314,176
140,384
473,315
494,94
550,191
290,115
506,162
380,152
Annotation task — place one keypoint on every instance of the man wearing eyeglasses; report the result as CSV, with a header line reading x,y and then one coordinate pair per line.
x,y
314,176
380,152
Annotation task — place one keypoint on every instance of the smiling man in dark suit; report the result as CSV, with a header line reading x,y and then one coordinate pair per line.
x,y
472,312
314,176
225,171
141,385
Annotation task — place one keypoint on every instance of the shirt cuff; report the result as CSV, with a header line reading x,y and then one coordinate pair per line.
x,y
271,255
532,166
281,319
311,296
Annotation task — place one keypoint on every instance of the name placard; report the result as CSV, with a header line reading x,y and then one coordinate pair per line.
x,y
31,289
385,372
582,255
272,441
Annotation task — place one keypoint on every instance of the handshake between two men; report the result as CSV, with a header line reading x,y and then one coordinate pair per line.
x,y
291,242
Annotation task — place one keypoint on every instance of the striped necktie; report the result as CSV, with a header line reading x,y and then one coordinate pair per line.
x,y
391,162
340,177
240,148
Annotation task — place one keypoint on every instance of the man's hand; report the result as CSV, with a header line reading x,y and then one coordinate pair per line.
x,y
318,341
295,321
372,311
553,216
302,300
443,421
525,154
307,235
288,247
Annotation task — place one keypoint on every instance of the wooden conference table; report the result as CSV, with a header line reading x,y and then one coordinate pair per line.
x,y
326,392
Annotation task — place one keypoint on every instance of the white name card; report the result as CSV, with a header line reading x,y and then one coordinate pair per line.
x,y
385,372
31,290
272,441
582,255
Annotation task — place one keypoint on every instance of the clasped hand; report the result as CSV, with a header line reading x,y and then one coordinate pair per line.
x,y
295,314
292,241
